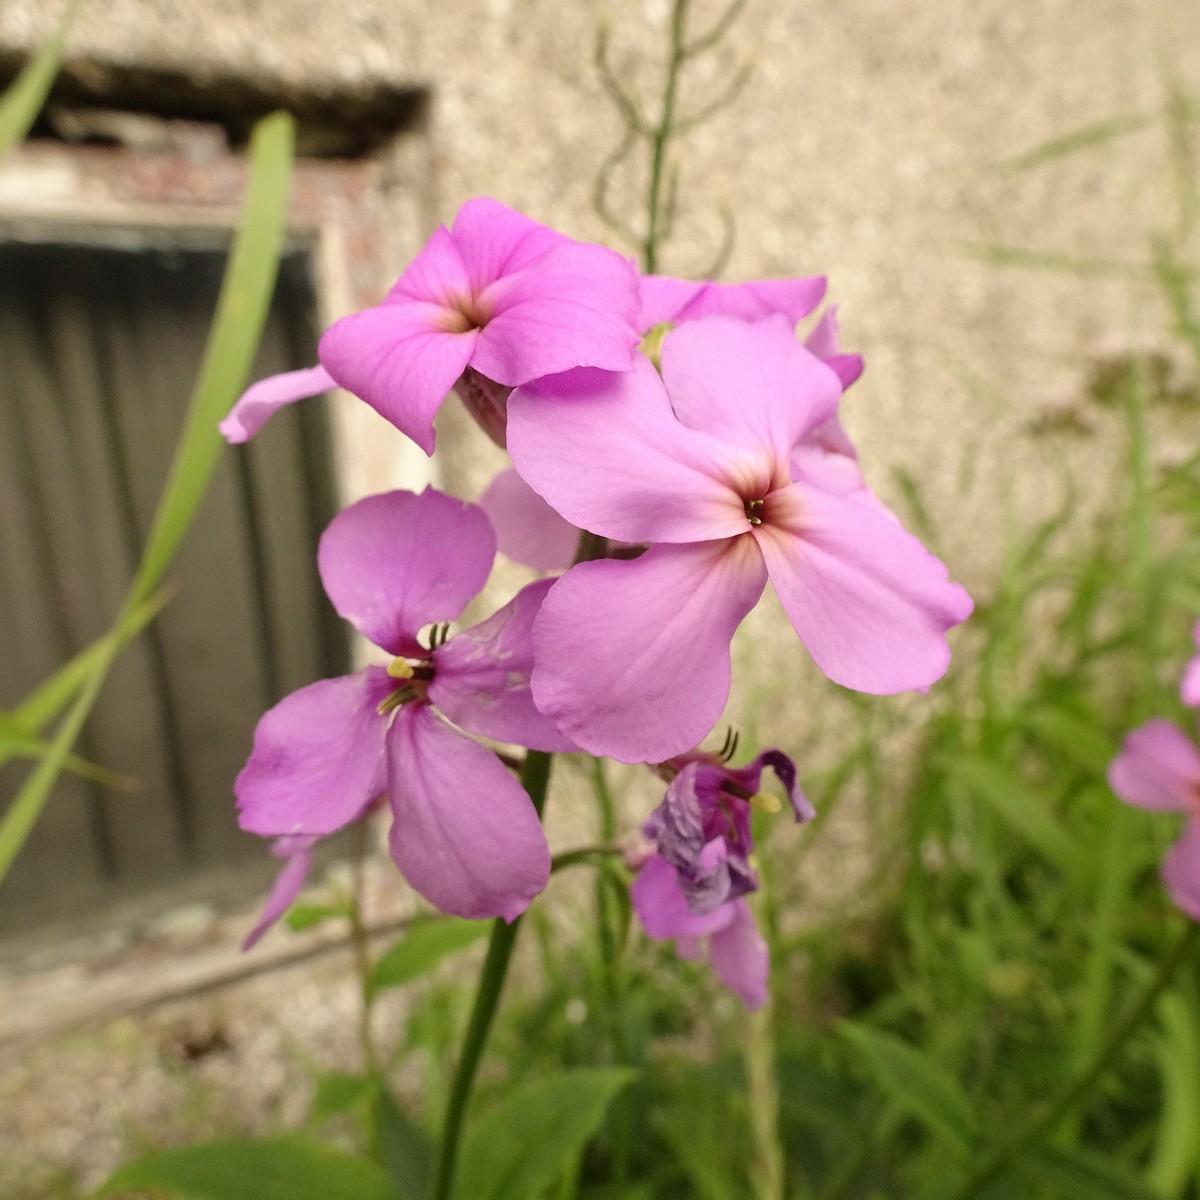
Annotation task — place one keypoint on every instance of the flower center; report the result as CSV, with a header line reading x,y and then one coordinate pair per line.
x,y
464,313
754,510
413,677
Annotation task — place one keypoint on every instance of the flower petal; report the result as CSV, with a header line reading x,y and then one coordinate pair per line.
x,y
750,778
438,275
1181,870
870,603
287,885
607,453
1189,687
632,657
663,909
495,240
823,341
399,358
464,833
481,677
753,385
667,299
740,958
527,529
1158,767
262,400
395,562
317,758
577,307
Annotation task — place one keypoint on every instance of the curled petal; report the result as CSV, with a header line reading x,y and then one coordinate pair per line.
x,y
464,833
298,855
395,562
740,958
870,603
1181,870
632,657
1158,767
481,676
663,909
317,758
677,300
262,400
527,529
823,342
750,778
751,385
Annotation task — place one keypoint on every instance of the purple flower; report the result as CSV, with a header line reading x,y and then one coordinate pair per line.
x,y
736,950
495,301
633,656
297,855
1159,768
464,833
667,300
702,827
527,529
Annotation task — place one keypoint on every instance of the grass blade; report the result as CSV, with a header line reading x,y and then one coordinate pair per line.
x,y
23,100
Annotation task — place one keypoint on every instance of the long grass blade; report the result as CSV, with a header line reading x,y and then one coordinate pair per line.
x,y
25,96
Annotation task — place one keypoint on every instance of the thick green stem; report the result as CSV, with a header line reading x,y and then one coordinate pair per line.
x,y
1043,1119
535,778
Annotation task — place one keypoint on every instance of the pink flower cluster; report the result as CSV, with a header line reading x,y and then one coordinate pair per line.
x,y
715,468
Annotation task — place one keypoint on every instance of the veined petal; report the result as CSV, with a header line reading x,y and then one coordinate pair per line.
x,y
317,758
437,276
298,855
481,677
607,453
395,562
740,958
575,308
262,400
631,658
495,240
399,358
1181,870
527,529
753,385
663,909
1158,767
678,300
464,833
870,603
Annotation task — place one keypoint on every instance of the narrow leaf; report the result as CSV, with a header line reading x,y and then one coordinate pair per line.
x,y
402,1147
421,949
283,1168
1074,1175
338,1092
914,1083
1177,1144
23,100
1084,138
304,916
523,1146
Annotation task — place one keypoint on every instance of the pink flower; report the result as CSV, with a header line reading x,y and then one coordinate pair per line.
x,y
633,656
464,833
1159,768
296,853
1189,687
495,301
667,300
735,948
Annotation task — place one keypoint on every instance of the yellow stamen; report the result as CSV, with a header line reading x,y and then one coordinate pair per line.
x,y
765,802
400,668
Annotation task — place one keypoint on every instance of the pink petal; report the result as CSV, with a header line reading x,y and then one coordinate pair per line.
x,y
481,678
399,358
495,240
464,833
663,909
632,657
262,400
608,453
740,958
317,758
823,342
1181,870
751,385
395,562
1189,687
287,885
1158,767
870,603
438,276
527,529
667,299
575,308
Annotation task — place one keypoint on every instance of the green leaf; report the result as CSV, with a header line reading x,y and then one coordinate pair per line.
x,y
302,916
1177,1143
422,948
17,741
23,100
523,1146
403,1148
339,1092
1024,810
1074,1175
282,1168
914,1083
241,310
1085,742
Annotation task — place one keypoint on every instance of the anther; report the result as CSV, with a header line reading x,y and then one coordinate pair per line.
x,y
753,508
765,802
400,668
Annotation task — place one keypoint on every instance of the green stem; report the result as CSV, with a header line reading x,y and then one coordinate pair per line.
x,y
360,942
1043,1120
535,778
662,137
